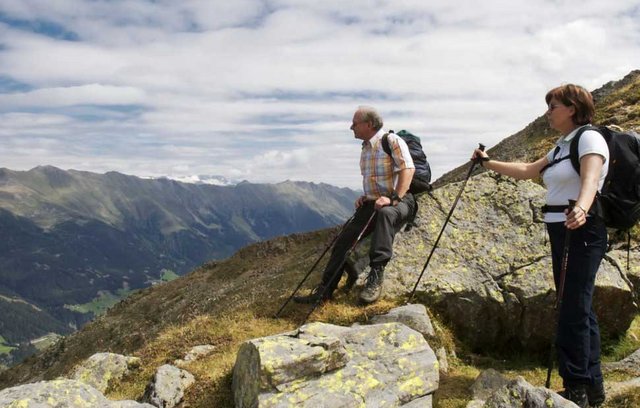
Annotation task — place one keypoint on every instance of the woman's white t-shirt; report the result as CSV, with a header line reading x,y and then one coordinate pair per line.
x,y
562,181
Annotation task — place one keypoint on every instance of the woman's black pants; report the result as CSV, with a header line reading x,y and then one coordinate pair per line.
x,y
578,336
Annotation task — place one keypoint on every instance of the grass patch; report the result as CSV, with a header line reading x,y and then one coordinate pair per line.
x,y
4,347
213,373
45,341
168,275
101,303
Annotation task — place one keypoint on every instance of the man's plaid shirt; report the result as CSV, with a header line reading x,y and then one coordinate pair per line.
x,y
379,170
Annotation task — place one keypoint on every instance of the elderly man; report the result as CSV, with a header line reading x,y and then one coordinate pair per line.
x,y
386,180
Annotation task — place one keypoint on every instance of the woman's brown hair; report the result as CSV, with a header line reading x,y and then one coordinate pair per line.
x,y
576,96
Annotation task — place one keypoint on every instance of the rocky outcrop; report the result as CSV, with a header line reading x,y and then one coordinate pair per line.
x,y
629,364
492,390
414,316
93,377
487,383
520,394
490,276
101,369
166,390
60,393
322,365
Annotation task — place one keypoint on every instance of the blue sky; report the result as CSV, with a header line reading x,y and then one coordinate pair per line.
x,y
265,90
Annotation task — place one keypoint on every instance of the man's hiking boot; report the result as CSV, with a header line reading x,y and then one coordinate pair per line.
x,y
352,277
319,294
596,395
373,288
577,394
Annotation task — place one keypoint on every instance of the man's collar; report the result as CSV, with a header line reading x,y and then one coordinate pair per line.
x,y
375,137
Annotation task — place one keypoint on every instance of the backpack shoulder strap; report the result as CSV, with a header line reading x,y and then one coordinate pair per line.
x,y
385,143
573,148
555,161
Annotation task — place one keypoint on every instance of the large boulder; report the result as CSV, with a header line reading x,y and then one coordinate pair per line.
x,y
101,369
322,365
491,276
60,393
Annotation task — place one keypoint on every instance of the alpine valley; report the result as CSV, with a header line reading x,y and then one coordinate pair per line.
x,y
73,243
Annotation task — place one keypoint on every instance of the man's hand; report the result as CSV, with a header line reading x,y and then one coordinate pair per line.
x,y
360,200
382,202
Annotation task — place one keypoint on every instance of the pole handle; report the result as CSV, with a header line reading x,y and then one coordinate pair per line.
x,y
478,159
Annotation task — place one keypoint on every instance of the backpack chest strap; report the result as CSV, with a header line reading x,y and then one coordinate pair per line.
x,y
553,163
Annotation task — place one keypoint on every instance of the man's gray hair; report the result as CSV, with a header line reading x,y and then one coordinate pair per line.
x,y
370,115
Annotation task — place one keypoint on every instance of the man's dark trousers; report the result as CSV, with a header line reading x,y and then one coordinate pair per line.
x,y
578,338
383,228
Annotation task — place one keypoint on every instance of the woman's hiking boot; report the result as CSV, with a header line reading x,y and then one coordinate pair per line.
x,y
596,395
319,294
373,287
577,394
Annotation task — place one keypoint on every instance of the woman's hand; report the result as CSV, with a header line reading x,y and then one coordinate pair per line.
x,y
477,154
575,218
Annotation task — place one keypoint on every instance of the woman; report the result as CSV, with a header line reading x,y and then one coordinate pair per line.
x,y
578,340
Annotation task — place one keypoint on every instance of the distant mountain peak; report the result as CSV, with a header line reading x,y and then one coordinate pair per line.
x,y
202,179
47,168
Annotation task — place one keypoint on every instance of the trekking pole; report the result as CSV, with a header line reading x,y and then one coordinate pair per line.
x,y
453,207
560,293
277,315
339,268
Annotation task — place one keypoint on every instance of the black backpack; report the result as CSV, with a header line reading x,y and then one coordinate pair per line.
x,y
422,175
619,202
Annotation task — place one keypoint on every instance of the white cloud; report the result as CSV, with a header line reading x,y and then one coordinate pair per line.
x,y
266,90
75,95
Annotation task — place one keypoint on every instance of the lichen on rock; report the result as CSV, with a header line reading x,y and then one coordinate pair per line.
x,y
378,365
